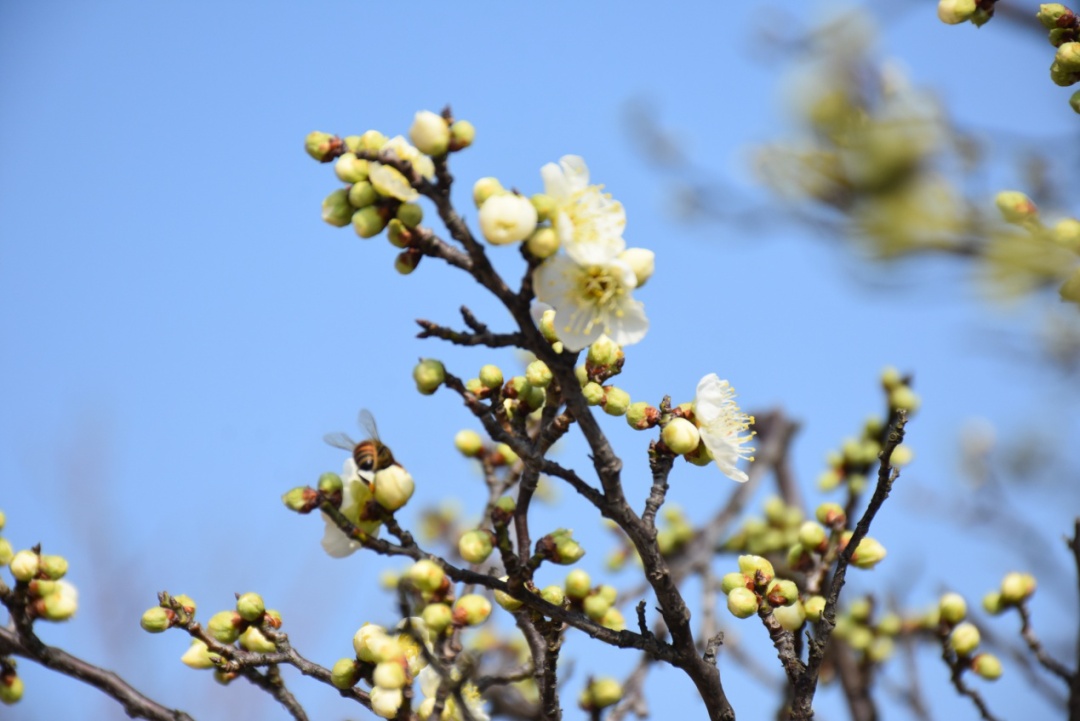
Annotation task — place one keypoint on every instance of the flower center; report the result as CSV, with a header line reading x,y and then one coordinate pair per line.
x,y
599,286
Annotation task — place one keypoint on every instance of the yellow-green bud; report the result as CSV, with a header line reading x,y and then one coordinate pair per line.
x,y
198,656
350,169
953,608
881,649
372,140
394,486
860,610
577,584
538,374
1066,233
386,702
964,639
1062,76
1050,13
61,604
361,195
992,603
344,674
506,600
681,436
790,617
504,455
336,209
25,565
593,392
472,609
613,620
860,638
252,639
831,515
782,592
491,376
545,206
742,602
890,378
1016,207
430,133
300,499
1068,56
890,624
156,619
812,536
54,567
372,644
641,261
580,372
426,575
733,580
475,546
543,243
486,188
567,550
322,146
224,626
1015,587
828,480
641,416
616,401
954,12
553,594
608,592
1074,101
11,689
330,482
389,674
595,606
250,606
600,693
469,443
757,569
437,616
410,214
462,134
868,553
368,222
987,665
903,398
814,606
429,374
605,352
398,235
6,552
3,520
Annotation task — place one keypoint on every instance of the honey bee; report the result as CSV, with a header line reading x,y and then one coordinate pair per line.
x,y
371,455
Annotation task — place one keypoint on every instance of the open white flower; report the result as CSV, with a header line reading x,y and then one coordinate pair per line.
x,y
355,496
587,219
389,181
723,426
591,299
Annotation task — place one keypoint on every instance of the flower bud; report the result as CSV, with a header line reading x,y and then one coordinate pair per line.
x,y
60,604
350,169
344,674
491,376
429,374
1066,233
462,134
1015,587
613,620
224,626
369,642
964,639
1016,207
1053,15
476,546
368,222
408,261
608,592
790,617
831,515
300,499
641,261
596,606
430,133
507,218
681,436
742,602
605,352
543,243
372,140
471,609
812,536
504,455
953,608
890,625
410,214
868,553
322,146
393,487
198,656
616,401
426,575
782,592
577,584
600,693
538,374
25,565
553,594
814,606
506,600
566,551
733,580
1062,76
385,702
360,195
54,567
905,399
336,209
593,392
250,606
6,552
992,603
486,188
252,639
1068,56
1074,102
757,568
954,12
389,674
987,665
156,619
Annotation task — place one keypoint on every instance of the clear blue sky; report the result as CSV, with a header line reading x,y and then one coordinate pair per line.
x,y
178,328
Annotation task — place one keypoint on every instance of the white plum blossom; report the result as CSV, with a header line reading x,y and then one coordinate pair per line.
x,y
723,426
430,680
355,495
507,218
584,215
389,181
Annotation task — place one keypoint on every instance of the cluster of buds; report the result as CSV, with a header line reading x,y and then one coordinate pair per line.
x,y
471,445
775,532
1016,588
576,593
1063,28
813,546
1043,254
755,587
603,361
387,661
955,12
47,596
961,638
559,547
871,636
378,195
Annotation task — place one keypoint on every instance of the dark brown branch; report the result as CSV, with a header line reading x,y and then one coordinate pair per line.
x,y
488,339
1046,660
1074,682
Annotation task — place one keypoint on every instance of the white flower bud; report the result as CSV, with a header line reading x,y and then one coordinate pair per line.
x,y
430,133
507,218
386,701
681,436
641,261
393,487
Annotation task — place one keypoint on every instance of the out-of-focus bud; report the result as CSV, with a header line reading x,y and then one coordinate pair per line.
x,y
344,674
476,546
504,455
437,616
953,608
393,487
224,626
596,606
410,214
322,146
6,552
336,209
860,610
53,567
543,243
1068,56
903,398
25,565
426,575
812,536
681,436
641,261
385,702
351,169
742,602
430,133
734,580
1016,207
198,656
831,515
616,401
790,617
782,592
890,624
1015,587
472,609
3,520
545,206
1053,15
613,620
964,639
389,674
372,140
156,619
815,606
757,568
868,553
1066,233
954,12
987,665
600,693
462,135
368,222
469,443
250,606
252,639
507,218
429,374
992,603
577,584
486,188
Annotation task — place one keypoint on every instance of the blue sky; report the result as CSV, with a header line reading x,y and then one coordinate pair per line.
x,y
178,328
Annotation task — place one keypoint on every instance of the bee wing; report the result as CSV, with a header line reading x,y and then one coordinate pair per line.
x,y
367,422
340,440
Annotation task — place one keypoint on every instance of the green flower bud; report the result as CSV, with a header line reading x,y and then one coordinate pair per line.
x,y
605,352
224,626
462,134
156,619
345,674
429,374
60,605
54,567
594,393
1016,207
953,608
330,482
782,592
543,243
350,169
322,146
506,600
812,536
733,580
360,195
393,487
426,575
6,552
3,520
1062,76
681,436
437,616
567,550
890,625
389,674
368,222
613,620
472,609
1074,101
1051,13
596,606
903,398
860,610
553,594
814,606
476,546
198,656
700,456
386,702
504,455
964,639
272,618
742,602
616,401
11,689
372,140
1068,56
372,644
486,188
790,617
300,499
1015,587
641,261
250,606
469,443
890,378
992,603
491,376
829,479
860,638
1066,233
398,235
831,515
641,416
430,133
410,214
25,565
868,553
757,568
252,639
577,584
987,665
336,209
608,592
580,372
225,677
538,374
601,693
954,12
545,206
